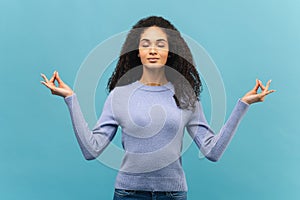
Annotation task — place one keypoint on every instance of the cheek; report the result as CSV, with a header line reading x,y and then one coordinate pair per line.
x,y
142,54
164,54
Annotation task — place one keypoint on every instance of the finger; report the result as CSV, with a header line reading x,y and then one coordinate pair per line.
x,y
50,86
261,85
58,78
53,77
256,85
44,77
44,83
270,91
268,85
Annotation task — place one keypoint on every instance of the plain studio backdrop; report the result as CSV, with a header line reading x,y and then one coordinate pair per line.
x,y
40,157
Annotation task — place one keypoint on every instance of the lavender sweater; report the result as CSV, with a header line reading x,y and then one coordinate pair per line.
x,y
152,132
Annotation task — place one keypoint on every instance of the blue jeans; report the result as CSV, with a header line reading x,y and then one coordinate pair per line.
x,y
121,194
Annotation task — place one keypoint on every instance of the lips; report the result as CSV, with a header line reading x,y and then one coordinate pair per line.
x,y
152,59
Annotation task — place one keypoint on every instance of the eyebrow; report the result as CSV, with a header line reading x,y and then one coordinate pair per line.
x,y
158,40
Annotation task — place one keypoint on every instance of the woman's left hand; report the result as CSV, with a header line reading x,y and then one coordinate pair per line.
x,y
252,96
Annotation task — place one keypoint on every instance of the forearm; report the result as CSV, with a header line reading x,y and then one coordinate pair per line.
x,y
90,144
225,135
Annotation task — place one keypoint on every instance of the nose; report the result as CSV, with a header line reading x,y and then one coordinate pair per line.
x,y
152,50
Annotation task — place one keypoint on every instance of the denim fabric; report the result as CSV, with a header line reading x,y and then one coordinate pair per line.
x,y
121,194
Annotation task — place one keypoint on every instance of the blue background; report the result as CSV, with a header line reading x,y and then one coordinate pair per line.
x,y
40,158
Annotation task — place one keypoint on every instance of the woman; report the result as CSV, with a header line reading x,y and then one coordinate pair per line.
x,y
155,76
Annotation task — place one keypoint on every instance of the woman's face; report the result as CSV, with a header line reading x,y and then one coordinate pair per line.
x,y
153,47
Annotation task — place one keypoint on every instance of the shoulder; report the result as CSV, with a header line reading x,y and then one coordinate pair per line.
x,y
121,92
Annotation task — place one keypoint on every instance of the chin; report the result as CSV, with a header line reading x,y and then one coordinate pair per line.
x,y
154,65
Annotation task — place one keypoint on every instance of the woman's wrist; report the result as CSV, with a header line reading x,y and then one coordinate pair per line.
x,y
245,101
69,94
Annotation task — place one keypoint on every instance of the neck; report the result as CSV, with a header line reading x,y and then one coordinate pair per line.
x,y
153,77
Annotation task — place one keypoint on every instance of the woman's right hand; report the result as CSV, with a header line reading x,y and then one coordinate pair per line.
x,y
62,89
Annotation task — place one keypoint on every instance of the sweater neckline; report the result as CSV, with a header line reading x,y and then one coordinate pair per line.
x,y
167,86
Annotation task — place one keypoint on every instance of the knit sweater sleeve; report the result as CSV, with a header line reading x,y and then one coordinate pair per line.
x,y
92,142
210,144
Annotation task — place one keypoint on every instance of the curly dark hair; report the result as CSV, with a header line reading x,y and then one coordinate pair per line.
x,y
179,69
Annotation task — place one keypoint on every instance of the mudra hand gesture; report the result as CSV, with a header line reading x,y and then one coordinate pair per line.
x,y
252,96
62,89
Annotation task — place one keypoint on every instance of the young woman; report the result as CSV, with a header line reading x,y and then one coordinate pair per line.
x,y
153,95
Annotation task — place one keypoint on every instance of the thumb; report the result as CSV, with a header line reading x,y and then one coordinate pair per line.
x,y
57,77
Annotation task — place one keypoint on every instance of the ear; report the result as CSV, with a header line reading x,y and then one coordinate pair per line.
x,y
138,55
